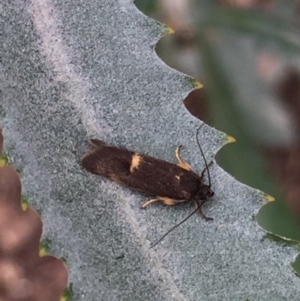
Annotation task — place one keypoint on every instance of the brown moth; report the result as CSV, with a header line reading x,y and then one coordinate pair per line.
x,y
169,183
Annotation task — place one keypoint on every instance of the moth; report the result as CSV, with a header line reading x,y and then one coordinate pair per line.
x,y
167,182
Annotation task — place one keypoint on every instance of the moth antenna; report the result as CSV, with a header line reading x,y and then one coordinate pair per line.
x,y
199,207
202,153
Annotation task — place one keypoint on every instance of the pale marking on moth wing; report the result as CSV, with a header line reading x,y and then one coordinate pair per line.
x,y
135,162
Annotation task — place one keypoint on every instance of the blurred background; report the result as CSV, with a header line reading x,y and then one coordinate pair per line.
x,y
246,53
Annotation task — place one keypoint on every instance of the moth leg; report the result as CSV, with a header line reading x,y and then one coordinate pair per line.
x,y
180,162
198,207
167,201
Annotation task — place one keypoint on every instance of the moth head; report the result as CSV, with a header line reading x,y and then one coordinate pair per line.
x,y
204,193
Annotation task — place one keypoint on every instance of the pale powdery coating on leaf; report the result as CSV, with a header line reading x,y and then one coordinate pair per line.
x,y
79,69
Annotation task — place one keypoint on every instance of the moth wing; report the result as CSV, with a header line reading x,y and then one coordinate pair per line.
x,y
162,178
